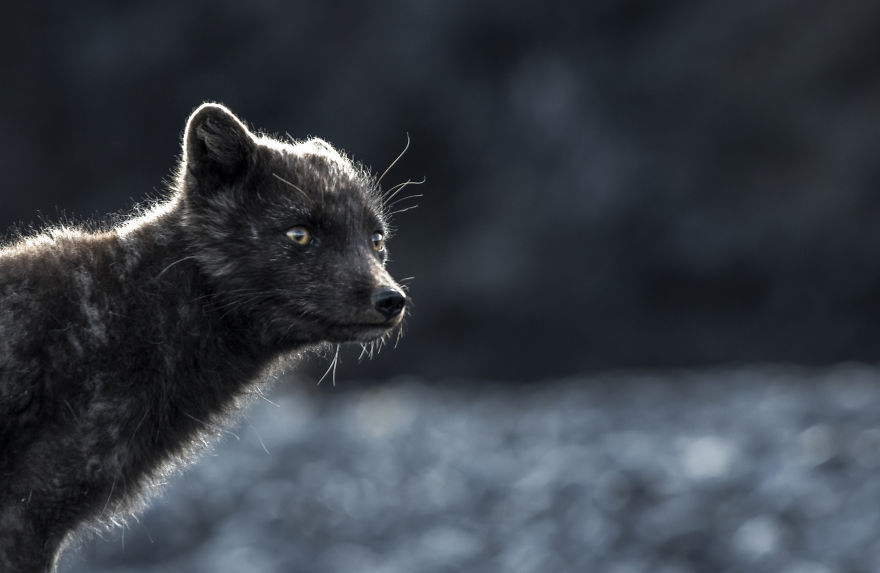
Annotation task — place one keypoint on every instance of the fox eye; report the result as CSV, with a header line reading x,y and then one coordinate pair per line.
x,y
378,240
299,235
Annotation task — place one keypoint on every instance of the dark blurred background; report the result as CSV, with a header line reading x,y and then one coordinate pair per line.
x,y
611,186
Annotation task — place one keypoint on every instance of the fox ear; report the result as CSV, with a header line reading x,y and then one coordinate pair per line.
x,y
216,145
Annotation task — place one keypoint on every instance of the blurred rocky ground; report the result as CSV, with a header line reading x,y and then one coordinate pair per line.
x,y
609,184
759,469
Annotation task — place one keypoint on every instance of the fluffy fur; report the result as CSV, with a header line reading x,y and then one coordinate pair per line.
x,y
119,349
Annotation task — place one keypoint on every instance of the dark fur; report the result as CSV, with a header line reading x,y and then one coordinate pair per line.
x,y
119,349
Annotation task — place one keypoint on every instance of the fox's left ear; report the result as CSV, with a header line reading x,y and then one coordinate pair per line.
x,y
216,145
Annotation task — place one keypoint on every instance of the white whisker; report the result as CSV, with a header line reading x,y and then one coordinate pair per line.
x,y
393,163
162,272
404,210
332,367
389,195
296,187
415,196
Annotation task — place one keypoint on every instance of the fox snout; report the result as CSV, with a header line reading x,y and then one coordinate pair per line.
x,y
389,302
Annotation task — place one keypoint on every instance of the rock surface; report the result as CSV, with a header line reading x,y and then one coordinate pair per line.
x,y
761,468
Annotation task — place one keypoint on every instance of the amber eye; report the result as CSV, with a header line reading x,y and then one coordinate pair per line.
x,y
299,235
378,240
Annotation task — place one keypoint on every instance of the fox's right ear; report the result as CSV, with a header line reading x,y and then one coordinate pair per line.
x,y
217,146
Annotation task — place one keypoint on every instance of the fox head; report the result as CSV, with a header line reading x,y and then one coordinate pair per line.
x,y
290,236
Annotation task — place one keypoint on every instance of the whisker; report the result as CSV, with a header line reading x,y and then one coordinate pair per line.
x,y
260,439
109,495
285,181
393,163
394,188
414,196
263,396
332,367
144,527
162,272
389,195
404,210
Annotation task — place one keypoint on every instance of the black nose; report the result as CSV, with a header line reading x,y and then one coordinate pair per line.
x,y
389,302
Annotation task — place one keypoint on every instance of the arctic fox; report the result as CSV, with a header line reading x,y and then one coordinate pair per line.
x,y
120,348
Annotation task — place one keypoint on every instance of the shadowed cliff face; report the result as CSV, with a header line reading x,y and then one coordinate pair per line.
x,y
607,185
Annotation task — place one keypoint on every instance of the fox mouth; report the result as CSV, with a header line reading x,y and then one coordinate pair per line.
x,y
361,331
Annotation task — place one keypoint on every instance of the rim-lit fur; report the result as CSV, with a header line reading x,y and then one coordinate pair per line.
x,y
119,349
